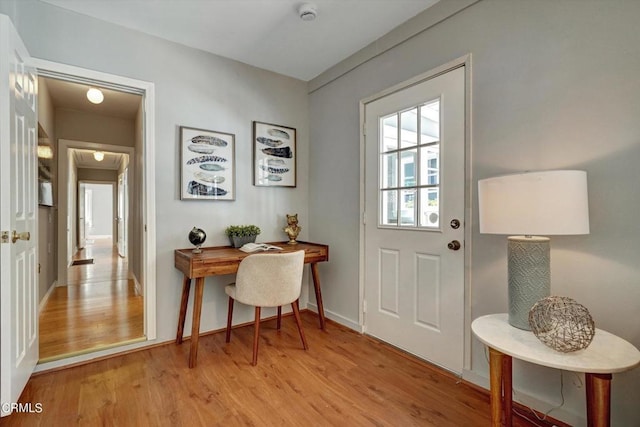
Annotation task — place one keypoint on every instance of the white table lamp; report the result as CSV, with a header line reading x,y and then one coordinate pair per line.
x,y
526,206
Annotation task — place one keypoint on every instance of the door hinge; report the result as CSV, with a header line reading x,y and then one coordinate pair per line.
x,y
364,306
364,218
5,237
364,128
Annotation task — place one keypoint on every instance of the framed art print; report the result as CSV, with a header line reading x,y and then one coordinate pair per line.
x,y
207,165
274,155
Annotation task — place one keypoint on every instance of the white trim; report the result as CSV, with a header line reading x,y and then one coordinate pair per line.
x,y
337,318
47,295
463,61
147,89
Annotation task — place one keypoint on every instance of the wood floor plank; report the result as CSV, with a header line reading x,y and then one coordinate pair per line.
x,y
99,308
344,379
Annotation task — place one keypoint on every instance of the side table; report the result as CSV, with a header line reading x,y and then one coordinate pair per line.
x,y
607,354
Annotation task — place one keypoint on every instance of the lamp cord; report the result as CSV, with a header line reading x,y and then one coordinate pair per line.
x,y
577,382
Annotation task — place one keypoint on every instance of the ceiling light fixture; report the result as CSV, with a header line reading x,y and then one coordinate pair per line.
x,y
95,95
307,11
98,155
45,152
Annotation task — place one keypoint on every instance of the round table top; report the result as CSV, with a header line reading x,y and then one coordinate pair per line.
x,y
606,354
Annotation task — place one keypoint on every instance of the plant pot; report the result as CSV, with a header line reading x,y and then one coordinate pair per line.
x,y
239,241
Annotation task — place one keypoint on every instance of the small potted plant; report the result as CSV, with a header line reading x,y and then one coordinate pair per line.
x,y
241,234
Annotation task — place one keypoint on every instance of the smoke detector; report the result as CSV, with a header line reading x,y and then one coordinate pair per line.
x,y
307,11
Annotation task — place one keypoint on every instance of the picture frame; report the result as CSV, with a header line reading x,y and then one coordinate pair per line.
x,y
207,164
274,155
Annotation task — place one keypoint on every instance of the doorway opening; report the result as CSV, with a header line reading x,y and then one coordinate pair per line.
x,y
99,292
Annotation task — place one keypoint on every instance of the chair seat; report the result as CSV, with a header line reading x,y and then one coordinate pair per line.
x,y
230,290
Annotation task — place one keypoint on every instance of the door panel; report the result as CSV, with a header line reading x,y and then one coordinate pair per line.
x,y
428,290
414,187
18,216
82,212
123,208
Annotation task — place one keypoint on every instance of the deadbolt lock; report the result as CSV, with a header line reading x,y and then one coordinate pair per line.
x,y
455,224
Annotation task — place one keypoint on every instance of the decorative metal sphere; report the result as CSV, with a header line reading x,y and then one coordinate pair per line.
x,y
197,236
562,324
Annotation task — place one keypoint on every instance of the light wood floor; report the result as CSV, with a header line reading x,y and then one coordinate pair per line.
x,y
99,308
344,379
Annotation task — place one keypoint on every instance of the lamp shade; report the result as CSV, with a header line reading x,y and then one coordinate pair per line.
x,y
534,203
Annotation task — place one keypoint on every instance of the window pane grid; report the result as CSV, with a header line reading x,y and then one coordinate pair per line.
x,y
410,167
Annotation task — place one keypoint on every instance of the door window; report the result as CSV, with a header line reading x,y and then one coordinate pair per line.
x,y
409,171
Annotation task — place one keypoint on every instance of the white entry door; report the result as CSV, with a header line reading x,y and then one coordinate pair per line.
x,y
414,229
18,217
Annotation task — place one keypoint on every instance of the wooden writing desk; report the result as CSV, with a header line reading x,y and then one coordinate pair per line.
x,y
225,260
607,354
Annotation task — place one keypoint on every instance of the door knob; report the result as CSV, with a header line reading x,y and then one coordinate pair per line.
x,y
454,245
25,235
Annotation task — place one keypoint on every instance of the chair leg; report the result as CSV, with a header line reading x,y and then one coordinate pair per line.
x,y
278,322
229,317
256,333
296,314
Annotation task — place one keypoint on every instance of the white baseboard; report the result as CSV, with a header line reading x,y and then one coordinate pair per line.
x,y
337,318
47,295
529,401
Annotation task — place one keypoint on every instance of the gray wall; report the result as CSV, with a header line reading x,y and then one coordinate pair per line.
x,y
196,89
47,215
554,85
89,127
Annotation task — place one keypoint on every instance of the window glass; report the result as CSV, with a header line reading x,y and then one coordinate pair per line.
x,y
410,167
389,170
389,207
408,128
389,133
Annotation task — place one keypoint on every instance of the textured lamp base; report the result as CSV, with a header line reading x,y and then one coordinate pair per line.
x,y
529,277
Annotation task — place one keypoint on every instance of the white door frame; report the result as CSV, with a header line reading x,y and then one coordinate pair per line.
x,y
147,89
468,190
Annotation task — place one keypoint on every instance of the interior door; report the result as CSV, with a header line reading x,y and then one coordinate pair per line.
x,y
82,215
18,216
414,228
122,213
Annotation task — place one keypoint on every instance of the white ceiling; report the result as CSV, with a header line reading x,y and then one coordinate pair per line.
x,y
73,96
264,33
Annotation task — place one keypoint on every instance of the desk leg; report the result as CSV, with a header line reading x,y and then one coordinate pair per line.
x,y
500,380
195,323
186,287
316,286
598,399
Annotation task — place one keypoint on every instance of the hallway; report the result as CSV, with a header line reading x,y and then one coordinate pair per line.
x,y
99,307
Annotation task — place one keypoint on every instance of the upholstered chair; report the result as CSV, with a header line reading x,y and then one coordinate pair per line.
x,y
267,280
